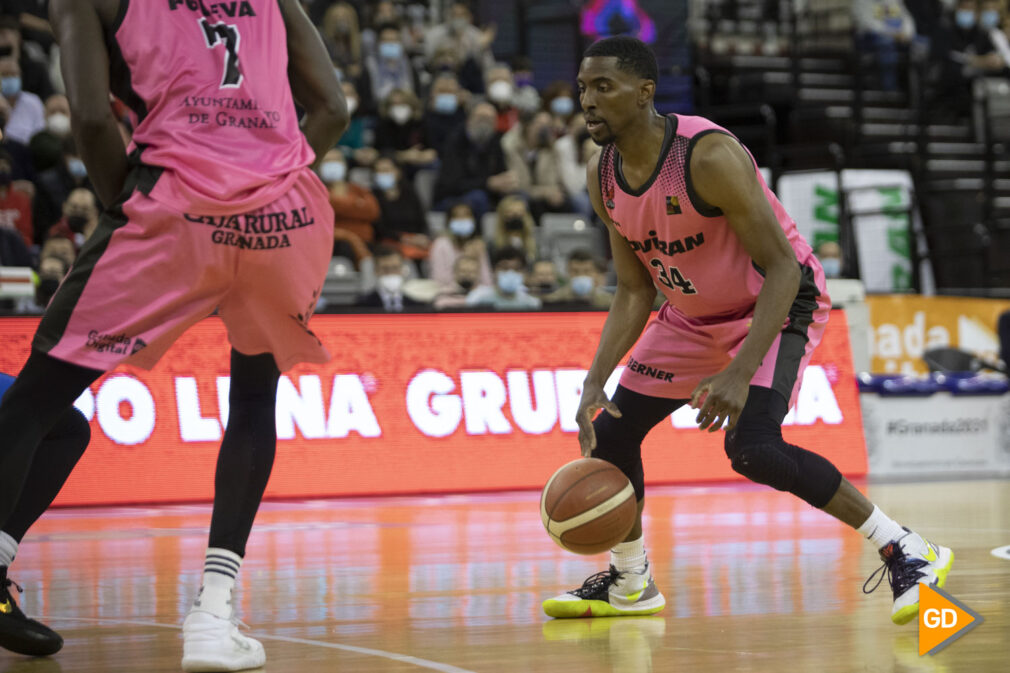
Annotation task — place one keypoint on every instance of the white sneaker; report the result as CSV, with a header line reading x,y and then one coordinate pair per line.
x,y
909,560
212,644
610,593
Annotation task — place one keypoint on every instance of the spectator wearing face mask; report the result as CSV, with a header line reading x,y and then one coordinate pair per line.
x,y
21,158
27,115
515,228
460,238
54,186
400,130
444,114
992,20
342,38
390,67
390,278
80,218
52,269
585,283
573,151
972,49
509,290
473,166
15,205
529,153
829,253
883,27
461,34
402,223
35,76
543,279
559,100
355,207
500,88
466,276
46,145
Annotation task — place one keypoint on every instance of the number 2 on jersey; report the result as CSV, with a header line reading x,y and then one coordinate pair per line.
x,y
673,278
221,32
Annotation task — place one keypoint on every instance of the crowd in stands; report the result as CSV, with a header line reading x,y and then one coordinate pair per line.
x,y
439,185
452,162
957,40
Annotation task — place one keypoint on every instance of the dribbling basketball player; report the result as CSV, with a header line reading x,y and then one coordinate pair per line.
x,y
688,212
215,208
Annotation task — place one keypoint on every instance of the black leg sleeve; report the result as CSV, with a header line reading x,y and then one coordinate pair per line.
x,y
42,393
247,451
619,440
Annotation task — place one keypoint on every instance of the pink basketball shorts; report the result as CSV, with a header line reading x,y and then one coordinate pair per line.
x,y
150,271
676,353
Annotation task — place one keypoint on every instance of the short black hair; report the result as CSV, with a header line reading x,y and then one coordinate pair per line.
x,y
581,255
383,250
507,254
633,55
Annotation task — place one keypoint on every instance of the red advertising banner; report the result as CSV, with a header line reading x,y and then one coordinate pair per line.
x,y
409,404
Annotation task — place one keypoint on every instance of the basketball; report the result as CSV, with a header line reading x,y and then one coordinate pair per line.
x,y
588,506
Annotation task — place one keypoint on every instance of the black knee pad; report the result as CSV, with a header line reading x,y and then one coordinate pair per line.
x,y
784,467
618,444
73,427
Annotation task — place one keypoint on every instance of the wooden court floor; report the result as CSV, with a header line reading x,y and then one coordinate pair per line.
x,y
755,581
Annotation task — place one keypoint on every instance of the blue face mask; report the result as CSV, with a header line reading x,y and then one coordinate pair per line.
x,y
77,168
391,51
10,86
989,18
832,267
385,180
582,286
332,171
446,103
509,281
462,227
965,18
562,106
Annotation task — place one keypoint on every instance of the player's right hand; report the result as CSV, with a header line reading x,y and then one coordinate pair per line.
x,y
593,399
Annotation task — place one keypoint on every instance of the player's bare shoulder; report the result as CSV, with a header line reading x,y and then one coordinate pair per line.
x,y
719,158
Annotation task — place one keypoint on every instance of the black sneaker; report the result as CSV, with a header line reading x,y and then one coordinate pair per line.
x,y
17,632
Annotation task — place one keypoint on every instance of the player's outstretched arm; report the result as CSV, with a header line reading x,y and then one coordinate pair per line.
x,y
314,83
724,176
628,315
85,65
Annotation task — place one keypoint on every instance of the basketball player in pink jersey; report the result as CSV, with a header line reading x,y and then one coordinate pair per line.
x,y
214,208
688,212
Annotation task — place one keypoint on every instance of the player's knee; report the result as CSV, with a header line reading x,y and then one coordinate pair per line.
x,y
761,462
784,467
614,445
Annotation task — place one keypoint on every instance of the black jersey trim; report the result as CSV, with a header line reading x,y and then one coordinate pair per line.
x,y
120,78
704,208
669,134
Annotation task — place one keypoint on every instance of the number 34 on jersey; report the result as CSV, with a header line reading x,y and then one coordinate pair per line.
x,y
671,277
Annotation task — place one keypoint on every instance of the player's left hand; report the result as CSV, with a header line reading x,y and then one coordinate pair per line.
x,y
722,398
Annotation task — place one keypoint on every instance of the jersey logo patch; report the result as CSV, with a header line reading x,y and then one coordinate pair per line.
x,y
673,205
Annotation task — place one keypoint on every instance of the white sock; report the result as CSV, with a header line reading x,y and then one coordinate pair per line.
x,y
880,528
8,549
220,570
629,556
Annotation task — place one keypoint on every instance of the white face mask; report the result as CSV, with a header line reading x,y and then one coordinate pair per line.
x,y
499,91
332,171
58,124
352,105
385,181
462,226
400,113
391,283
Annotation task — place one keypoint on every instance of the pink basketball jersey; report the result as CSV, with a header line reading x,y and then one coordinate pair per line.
x,y
209,85
696,259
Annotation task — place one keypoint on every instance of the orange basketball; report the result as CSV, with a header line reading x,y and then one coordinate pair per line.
x,y
588,506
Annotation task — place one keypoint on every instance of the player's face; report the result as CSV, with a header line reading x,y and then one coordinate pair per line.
x,y
610,97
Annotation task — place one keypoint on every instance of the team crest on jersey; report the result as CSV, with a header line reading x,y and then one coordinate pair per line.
x,y
673,205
